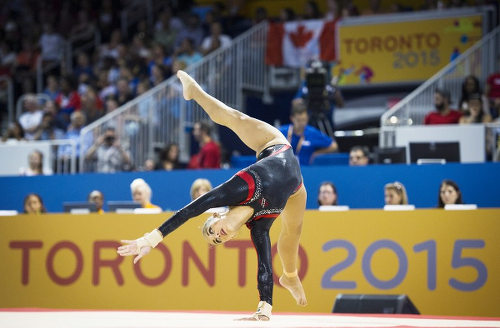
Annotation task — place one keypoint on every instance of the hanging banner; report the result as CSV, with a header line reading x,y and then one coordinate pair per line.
x,y
447,262
402,51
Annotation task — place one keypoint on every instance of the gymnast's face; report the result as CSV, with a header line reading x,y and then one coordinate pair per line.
x,y
216,229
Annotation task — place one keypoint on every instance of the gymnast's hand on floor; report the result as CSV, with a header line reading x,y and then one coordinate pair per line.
x,y
132,249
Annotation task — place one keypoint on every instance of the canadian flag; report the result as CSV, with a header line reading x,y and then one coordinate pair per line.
x,y
295,43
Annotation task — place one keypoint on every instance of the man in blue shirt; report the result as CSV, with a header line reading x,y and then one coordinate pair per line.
x,y
306,140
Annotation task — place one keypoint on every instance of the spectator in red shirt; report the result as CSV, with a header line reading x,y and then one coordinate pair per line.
x,y
209,155
443,114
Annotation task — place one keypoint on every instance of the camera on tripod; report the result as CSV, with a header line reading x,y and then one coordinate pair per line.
x,y
317,92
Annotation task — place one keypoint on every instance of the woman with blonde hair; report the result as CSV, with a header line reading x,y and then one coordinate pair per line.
x,y
200,187
395,194
141,193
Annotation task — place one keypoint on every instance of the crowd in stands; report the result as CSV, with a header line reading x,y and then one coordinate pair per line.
x,y
107,75
128,63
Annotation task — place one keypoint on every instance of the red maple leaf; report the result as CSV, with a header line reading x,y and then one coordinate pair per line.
x,y
301,37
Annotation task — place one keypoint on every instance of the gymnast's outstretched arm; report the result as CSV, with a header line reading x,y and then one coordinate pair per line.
x,y
230,193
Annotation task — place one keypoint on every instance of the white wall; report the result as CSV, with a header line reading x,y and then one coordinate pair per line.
x,y
471,138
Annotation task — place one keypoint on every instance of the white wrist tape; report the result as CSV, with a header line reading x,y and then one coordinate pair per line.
x,y
150,239
263,311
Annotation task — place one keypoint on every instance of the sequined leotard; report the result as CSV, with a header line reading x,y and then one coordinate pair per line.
x,y
265,186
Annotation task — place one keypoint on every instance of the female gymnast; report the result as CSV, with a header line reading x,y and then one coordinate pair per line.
x,y
256,195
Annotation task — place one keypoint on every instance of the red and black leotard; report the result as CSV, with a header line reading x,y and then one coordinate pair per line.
x,y
265,186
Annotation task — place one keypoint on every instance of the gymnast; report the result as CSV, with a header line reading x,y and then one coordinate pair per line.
x,y
256,196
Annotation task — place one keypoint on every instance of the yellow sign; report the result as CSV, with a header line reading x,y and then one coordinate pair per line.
x,y
402,51
446,261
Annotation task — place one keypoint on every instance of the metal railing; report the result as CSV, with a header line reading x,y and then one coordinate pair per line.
x,y
478,60
161,115
10,97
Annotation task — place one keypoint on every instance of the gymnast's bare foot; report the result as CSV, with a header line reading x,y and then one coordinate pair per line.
x,y
294,286
189,85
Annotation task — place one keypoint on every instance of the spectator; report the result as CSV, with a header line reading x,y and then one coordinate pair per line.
x,y
443,114
215,40
169,158
311,10
158,58
108,153
78,120
306,141
68,99
395,194
51,44
192,30
48,129
52,88
200,187
187,52
167,19
110,105
112,48
92,106
83,66
33,204
471,88
26,59
96,197
327,194
287,15
32,118
165,34
137,49
333,10
474,112
35,165
124,94
83,29
141,193
260,15
149,165
7,56
209,154
158,74
106,89
449,193
359,156
15,131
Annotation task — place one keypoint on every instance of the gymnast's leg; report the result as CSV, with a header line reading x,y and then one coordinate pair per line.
x,y
254,133
288,244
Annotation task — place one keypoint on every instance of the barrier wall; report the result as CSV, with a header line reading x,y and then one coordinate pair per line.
x,y
358,187
446,261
